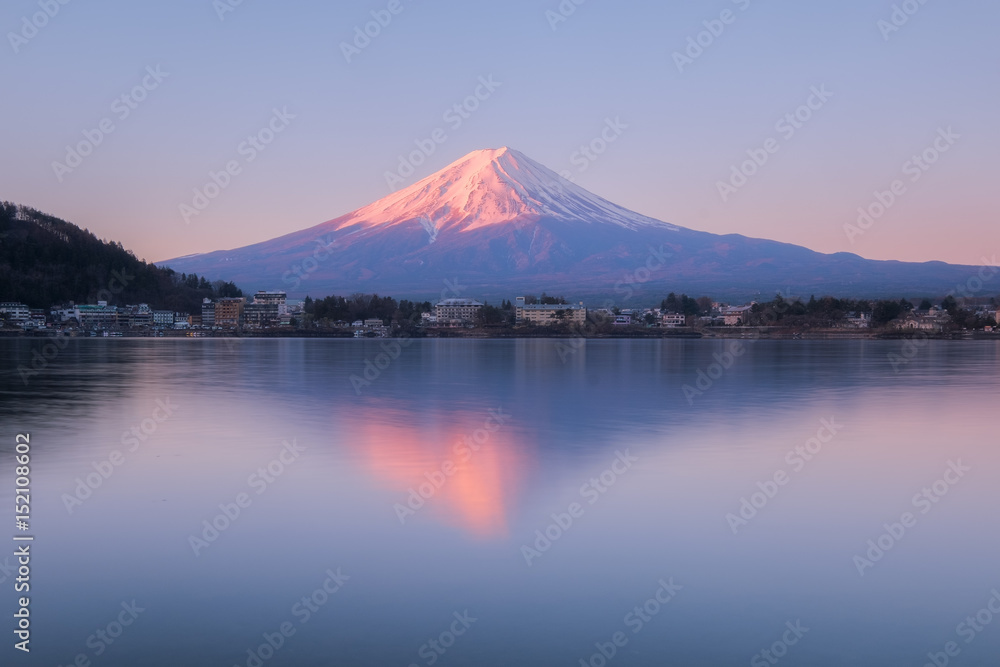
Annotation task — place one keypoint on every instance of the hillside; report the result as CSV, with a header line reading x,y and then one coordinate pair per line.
x,y
46,261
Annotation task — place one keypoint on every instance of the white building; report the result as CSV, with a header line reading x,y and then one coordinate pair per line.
x,y
63,315
163,318
15,312
673,320
207,312
858,321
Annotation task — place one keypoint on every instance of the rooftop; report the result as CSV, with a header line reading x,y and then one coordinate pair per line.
x,y
459,302
550,306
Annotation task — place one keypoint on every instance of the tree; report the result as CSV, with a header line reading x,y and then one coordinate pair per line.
x,y
885,311
688,305
671,304
48,261
490,316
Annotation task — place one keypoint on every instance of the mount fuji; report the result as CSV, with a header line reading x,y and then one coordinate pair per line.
x,y
498,224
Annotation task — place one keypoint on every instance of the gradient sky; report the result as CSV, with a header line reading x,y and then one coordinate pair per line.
x,y
685,130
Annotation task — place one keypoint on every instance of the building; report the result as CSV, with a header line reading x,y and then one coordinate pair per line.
x,y
736,316
930,322
37,320
538,313
268,309
858,321
673,320
623,320
207,314
63,314
229,312
279,299
260,315
100,316
163,318
464,310
137,316
15,312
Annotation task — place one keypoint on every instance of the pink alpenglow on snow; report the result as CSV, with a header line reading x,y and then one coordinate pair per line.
x,y
488,187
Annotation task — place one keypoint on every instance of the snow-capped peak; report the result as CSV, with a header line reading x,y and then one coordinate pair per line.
x,y
489,187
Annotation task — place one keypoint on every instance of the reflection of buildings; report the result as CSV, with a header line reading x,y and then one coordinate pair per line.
x,y
474,488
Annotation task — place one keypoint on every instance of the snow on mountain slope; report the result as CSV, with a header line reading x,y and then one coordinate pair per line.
x,y
490,187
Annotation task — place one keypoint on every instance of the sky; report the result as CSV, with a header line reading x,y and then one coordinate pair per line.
x,y
197,125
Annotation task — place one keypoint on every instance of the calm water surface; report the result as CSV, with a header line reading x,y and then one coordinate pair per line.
x,y
564,490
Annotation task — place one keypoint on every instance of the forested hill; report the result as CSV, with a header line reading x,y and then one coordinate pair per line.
x,y
46,261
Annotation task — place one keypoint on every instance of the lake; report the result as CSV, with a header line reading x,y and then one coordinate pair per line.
x,y
505,502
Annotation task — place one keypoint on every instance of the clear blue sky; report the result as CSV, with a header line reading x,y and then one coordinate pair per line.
x,y
685,130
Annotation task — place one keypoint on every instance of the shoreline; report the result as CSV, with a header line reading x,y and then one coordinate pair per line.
x,y
742,333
